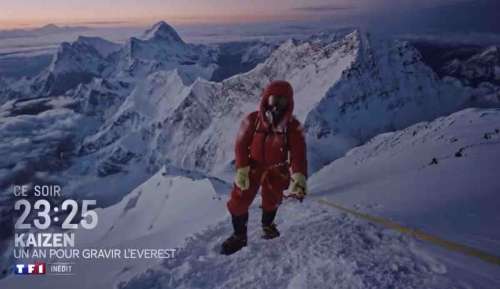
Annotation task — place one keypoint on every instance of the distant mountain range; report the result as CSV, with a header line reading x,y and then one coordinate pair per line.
x,y
44,30
471,64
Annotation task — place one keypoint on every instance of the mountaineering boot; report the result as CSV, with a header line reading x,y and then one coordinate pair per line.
x,y
268,227
238,239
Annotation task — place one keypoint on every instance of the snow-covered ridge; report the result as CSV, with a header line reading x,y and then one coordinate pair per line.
x,y
103,46
73,64
84,55
387,88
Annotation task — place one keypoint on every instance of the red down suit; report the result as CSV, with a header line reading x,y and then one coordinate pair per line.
x,y
271,152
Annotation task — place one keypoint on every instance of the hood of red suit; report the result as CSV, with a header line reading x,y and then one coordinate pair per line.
x,y
281,88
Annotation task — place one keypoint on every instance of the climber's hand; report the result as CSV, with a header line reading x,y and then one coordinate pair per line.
x,y
242,179
298,186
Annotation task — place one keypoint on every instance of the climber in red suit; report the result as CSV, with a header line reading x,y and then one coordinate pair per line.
x,y
271,155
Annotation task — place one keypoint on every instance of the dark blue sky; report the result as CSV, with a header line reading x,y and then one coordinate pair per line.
x,y
408,16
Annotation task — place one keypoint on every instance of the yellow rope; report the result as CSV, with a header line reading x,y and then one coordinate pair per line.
x,y
418,234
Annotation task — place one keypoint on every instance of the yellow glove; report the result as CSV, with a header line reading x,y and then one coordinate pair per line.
x,y
298,186
242,180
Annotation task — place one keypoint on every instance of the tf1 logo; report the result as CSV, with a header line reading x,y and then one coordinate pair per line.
x,y
30,269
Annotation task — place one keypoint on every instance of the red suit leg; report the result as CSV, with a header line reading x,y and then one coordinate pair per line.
x,y
240,200
271,197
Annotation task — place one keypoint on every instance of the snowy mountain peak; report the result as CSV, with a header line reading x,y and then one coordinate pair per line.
x,y
490,54
49,27
75,63
162,31
483,66
161,48
80,55
103,46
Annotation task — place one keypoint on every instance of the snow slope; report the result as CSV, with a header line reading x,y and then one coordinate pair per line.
x,y
393,176
181,204
160,213
318,248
